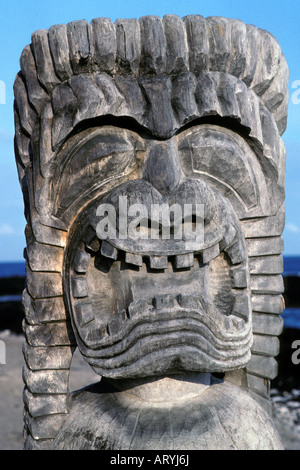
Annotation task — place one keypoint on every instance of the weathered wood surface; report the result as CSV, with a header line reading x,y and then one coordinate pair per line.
x,y
158,110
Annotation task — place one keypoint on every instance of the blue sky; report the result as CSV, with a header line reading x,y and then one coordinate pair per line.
x,y
18,20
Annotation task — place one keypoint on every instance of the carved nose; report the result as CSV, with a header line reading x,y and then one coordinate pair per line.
x,y
162,167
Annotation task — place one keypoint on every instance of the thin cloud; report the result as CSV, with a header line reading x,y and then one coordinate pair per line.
x,y
293,228
7,229
6,136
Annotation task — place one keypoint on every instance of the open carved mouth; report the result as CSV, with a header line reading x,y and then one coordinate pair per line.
x,y
142,314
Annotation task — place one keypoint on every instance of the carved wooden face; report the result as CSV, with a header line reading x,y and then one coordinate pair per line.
x,y
152,303
170,112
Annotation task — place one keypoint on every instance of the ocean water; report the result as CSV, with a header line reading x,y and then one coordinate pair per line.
x,y
291,316
291,266
16,268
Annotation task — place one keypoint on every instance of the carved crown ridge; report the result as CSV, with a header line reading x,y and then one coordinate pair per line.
x,y
191,44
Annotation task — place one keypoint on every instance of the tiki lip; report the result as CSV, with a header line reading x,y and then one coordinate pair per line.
x,y
186,338
138,219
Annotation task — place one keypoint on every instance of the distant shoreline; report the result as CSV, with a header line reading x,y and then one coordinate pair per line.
x,y
13,279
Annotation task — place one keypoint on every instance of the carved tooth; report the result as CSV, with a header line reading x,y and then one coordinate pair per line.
x,y
238,323
228,323
239,277
210,253
163,301
228,237
241,307
116,323
108,250
137,307
81,261
188,301
102,332
184,261
236,252
84,313
131,258
158,262
79,287
95,334
93,245
123,315
90,239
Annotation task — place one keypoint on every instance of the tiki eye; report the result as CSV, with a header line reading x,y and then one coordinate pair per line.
x,y
106,152
224,160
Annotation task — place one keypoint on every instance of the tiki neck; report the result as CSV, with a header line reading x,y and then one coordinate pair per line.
x,y
165,389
